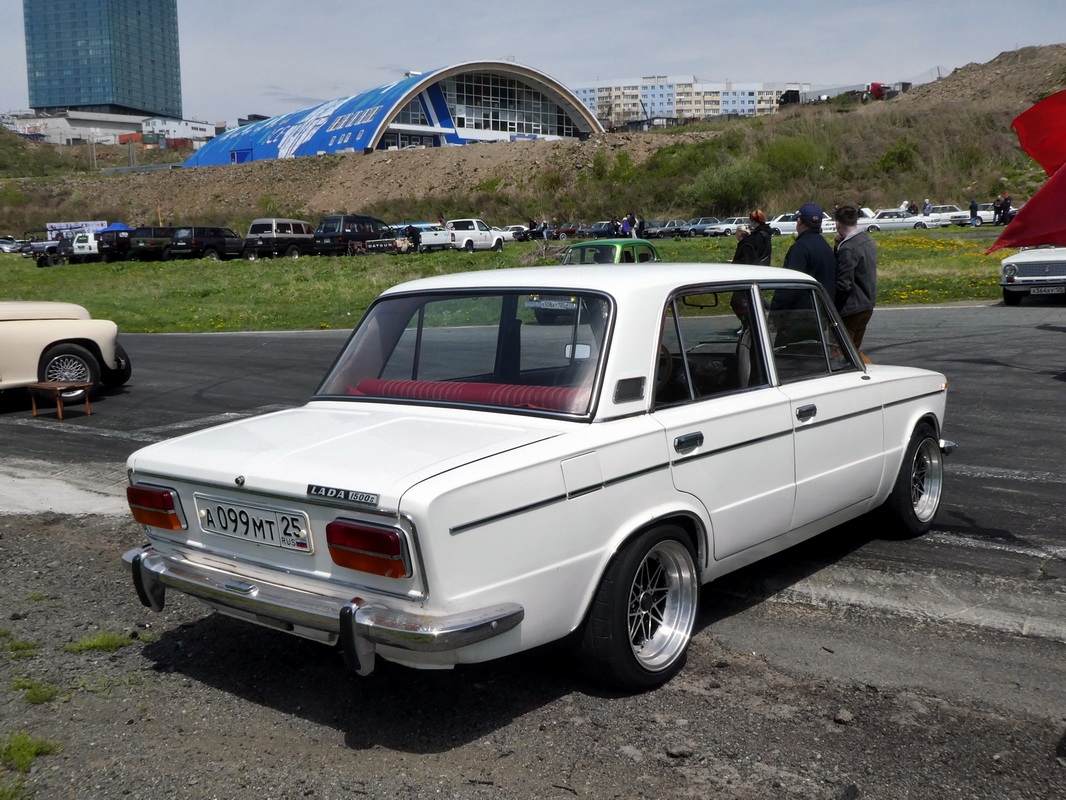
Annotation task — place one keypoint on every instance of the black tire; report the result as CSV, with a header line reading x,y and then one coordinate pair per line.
x,y
872,228
920,226
468,245
562,237
113,378
775,231
638,630
292,251
54,259
69,362
1012,298
249,255
166,255
498,245
211,254
693,233
43,261
920,483
978,222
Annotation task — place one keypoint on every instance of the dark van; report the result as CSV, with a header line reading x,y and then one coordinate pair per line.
x,y
206,242
271,237
151,244
113,245
352,234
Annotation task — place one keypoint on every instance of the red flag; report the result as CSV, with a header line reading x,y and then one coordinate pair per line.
x,y
1042,220
1042,131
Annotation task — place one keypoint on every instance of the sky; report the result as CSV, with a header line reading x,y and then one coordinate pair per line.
x,y
241,57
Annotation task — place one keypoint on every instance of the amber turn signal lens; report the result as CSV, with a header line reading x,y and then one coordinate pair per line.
x,y
155,507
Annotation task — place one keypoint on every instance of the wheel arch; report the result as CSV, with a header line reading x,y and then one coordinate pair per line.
x,y
89,344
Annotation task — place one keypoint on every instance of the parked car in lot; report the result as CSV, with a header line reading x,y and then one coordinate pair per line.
x,y
667,228
47,341
9,244
353,234
893,219
1036,271
699,226
151,243
519,233
79,248
611,251
463,234
598,230
114,244
209,241
945,216
568,230
727,227
985,214
466,484
785,224
271,237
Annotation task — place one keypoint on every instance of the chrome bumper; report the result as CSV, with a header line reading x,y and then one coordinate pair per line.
x,y
359,625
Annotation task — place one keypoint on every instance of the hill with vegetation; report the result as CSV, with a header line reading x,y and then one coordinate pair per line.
x,y
947,140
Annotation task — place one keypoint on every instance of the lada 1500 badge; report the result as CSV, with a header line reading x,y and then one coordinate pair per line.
x,y
351,496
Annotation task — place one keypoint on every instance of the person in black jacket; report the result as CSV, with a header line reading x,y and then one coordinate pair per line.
x,y
760,239
810,252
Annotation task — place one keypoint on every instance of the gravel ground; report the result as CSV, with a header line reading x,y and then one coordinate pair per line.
x,y
201,706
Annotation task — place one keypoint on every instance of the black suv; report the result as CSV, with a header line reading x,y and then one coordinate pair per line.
x,y
206,242
151,244
352,234
113,245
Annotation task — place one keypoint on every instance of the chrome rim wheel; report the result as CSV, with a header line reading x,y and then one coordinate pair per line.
x,y
927,480
662,605
67,368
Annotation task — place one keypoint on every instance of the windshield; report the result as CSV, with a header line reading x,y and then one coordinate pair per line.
x,y
510,350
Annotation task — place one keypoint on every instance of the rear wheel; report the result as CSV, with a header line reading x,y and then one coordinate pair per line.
x,y
69,362
292,252
250,255
873,228
166,255
211,254
920,483
640,624
693,233
920,226
468,245
562,236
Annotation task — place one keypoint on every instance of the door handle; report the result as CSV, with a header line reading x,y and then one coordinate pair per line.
x,y
804,413
688,441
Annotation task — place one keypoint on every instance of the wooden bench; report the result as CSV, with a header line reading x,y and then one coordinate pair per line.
x,y
56,389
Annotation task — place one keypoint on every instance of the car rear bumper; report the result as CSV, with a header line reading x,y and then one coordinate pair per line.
x,y
360,625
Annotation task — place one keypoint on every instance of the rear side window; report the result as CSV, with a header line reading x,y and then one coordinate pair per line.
x,y
259,227
183,233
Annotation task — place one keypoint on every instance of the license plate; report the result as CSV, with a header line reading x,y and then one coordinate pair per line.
x,y
557,305
1048,290
276,527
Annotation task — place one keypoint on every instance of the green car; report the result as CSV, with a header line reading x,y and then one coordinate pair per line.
x,y
611,251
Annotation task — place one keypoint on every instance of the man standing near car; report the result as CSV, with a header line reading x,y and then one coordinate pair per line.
x,y
810,252
856,274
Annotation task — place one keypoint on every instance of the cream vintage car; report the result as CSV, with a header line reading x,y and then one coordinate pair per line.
x,y
467,484
47,341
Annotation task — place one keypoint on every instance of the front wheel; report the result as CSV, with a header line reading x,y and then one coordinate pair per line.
x,y
693,233
978,222
114,378
920,483
498,245
640,624
292,252
1012,298
873,228
69,362
249,255
562,237
920,226
211,254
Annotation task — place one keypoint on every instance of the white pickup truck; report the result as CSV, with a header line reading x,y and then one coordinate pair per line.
x,y
462,234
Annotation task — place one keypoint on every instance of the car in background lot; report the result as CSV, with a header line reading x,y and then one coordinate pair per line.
x,y
604,229
985,214
114,244
351,234
892,219
945,216
518,233
271,237
568,230
611,251
667,228
151,243
467,484
785,224
9,244
727,227
206,241
698,226
1036,271
48,341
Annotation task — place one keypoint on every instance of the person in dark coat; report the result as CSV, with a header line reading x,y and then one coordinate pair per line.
x,y
758,245
856,284
810,252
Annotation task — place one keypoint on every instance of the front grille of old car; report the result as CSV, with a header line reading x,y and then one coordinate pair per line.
x,y
1049,269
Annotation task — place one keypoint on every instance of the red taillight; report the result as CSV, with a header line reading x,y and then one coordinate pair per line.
x,y
379,551
155,506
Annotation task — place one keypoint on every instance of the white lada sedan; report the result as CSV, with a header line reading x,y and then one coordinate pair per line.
x,y
468,484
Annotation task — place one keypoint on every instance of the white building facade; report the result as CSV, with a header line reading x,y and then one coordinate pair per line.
x,y
657,98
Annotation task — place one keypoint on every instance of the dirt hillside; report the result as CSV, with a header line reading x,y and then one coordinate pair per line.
x,y
313,186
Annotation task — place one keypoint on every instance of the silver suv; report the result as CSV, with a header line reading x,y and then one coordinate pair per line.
x,y
271,237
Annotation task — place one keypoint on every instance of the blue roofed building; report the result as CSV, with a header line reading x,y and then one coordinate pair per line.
x,y
477,101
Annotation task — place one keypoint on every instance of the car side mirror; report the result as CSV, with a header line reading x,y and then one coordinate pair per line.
x,y
577,352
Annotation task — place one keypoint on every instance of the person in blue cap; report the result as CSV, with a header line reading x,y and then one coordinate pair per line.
x,y
811,253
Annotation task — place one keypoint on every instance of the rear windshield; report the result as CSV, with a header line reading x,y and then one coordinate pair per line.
x,y
259,227
512,350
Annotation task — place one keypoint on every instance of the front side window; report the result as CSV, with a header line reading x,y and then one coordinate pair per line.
x,y
711,345
807,341
509,350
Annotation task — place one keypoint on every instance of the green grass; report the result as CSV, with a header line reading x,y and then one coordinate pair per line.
x,y
35,692
323,293
18,750
105,641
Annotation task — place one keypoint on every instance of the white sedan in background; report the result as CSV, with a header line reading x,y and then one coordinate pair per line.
x,y
893,219
785,224
467,484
